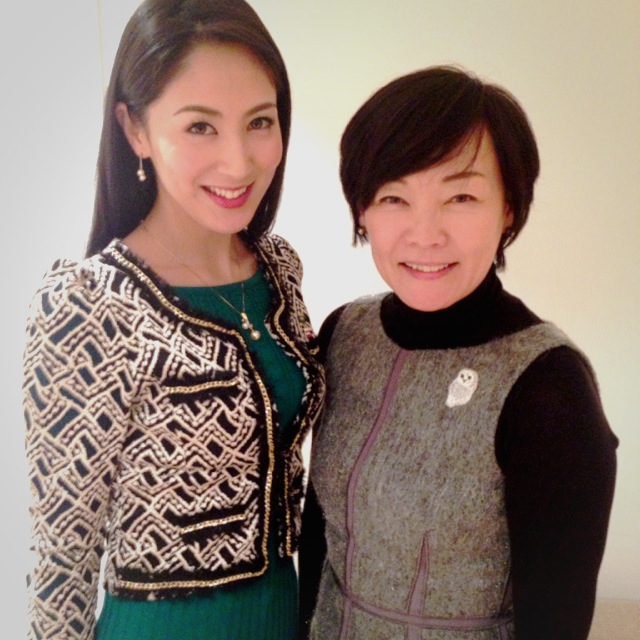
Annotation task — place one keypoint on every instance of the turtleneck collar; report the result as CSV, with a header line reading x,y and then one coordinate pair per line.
x,y
487,313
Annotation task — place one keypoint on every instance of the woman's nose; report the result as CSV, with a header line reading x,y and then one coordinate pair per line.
x,y
426,227
235,157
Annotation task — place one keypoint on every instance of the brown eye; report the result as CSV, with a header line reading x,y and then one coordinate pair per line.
x,y
262,123
201,128
391,200
462,197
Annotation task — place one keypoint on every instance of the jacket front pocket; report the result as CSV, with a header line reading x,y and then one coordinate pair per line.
x,y
201,383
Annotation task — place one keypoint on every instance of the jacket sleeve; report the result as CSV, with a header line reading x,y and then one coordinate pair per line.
x,y
558,455
74,399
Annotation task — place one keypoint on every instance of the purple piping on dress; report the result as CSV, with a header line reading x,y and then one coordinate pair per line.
x,y
355,476
426,622
414,620
418,593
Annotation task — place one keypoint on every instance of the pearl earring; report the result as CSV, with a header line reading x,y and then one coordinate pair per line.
x,y
361,231
142,176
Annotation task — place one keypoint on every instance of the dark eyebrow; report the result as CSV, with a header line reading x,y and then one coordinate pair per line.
x,y
463,175
195,108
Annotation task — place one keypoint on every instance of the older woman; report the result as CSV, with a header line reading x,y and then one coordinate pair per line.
x,y
464,470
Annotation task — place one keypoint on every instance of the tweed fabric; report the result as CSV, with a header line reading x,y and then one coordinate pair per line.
x,y
150,431
411,492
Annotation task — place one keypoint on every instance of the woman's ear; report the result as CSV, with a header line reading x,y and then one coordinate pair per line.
x,y
508,218
133,130
361,229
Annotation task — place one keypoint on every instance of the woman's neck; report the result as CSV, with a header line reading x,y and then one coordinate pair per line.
x,y
487,313
191,256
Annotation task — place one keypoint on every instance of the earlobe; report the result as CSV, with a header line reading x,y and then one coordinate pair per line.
x,y
361,229
132,129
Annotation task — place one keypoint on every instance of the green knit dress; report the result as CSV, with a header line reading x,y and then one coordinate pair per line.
x,y
262,609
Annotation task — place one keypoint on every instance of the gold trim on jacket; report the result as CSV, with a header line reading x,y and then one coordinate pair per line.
x,y
150,432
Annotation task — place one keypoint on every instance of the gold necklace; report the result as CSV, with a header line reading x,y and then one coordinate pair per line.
x,y
245,322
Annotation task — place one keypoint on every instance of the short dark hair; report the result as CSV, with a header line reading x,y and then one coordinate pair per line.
x,y
155,42
421,119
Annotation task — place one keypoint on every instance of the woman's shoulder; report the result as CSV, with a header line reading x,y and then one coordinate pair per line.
x,y
275,248
327,329
329,324
71,282
65,276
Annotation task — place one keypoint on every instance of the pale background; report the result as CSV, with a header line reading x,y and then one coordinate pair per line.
x,y
573,64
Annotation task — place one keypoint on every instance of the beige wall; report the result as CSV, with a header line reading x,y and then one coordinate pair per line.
x,y
574,65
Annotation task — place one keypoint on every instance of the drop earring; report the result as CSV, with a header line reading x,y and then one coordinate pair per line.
x,y
141,173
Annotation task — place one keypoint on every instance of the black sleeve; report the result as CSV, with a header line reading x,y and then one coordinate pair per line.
x,y
558,455
312,549
311,557
326,331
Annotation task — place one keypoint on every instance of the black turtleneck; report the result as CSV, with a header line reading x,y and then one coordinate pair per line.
x,y
553,445
487,313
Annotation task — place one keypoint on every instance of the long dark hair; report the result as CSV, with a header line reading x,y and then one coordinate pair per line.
x,y
157,38
420,119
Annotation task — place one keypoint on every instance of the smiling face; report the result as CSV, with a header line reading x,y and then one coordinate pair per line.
x,y
434,234
213,137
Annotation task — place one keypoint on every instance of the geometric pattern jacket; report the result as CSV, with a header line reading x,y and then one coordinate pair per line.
x,y
150,435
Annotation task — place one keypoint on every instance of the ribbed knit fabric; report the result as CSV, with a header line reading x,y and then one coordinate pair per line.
x,y
262,609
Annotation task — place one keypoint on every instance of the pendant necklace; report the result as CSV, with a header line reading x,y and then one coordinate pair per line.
x,y
244,318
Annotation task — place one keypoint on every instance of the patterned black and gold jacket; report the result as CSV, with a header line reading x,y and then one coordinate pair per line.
x,y
150,432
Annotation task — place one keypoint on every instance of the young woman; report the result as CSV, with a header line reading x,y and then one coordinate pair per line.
x,y
464,470
170,376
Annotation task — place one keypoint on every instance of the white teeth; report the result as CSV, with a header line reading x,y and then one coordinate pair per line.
x,y
425,268
229,194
